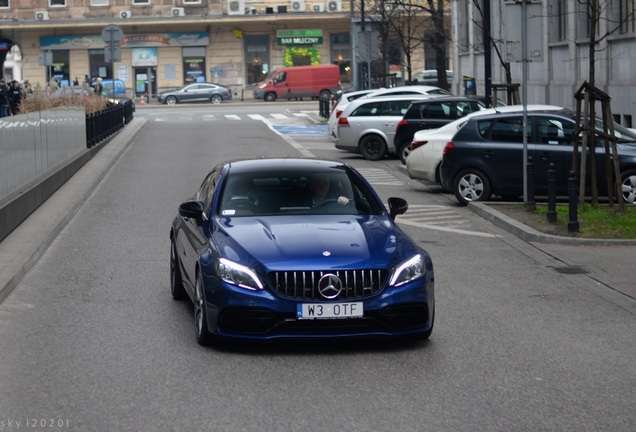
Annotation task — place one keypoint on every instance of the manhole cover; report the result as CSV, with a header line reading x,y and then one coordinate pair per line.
x,y
571,270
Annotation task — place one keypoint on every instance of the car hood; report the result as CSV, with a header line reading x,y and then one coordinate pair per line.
x,y
313,241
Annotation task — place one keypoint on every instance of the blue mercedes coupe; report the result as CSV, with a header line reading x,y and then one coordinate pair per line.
x,y
298,248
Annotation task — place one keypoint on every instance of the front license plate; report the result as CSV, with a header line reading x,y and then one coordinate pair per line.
x,y
329,310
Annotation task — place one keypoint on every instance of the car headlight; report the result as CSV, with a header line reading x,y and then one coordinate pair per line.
x,y
408,271
237,274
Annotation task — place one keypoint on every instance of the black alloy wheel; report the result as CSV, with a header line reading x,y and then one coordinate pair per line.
x,y
372,147
176,282
204,337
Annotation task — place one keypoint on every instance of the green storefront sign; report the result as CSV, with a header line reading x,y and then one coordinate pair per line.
x,y
299,37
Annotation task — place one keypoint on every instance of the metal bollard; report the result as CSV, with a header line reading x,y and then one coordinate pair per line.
x,y
573,221
531,205
551,215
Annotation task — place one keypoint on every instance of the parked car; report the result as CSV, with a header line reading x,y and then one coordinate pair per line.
x,y
297,82
345,99
430,114
367,125
113,87
425,156
236,252
485,157
429,77
197,92
407,90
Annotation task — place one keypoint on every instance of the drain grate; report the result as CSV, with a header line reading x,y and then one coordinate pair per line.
x,y
571,270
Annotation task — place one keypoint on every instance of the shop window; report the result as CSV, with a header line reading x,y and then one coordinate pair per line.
x,y
98,66
256,58
341,55
60,69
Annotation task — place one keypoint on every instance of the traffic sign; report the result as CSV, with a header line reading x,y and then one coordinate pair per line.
x,y
112,34
112,54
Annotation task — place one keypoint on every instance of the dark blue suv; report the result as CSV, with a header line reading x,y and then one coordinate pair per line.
x,y
485,157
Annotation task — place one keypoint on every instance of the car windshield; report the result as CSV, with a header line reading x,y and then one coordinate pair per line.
x,y
333,191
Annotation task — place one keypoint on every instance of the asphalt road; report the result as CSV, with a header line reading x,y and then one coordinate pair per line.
x,y
91,336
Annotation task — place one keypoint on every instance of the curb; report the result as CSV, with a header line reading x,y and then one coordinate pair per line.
x,y
489,212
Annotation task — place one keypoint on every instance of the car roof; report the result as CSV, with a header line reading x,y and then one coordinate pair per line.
x,y
363,100
419,88
445,98
490,111
276,164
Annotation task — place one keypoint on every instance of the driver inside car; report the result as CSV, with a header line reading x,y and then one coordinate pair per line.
x,y
319,186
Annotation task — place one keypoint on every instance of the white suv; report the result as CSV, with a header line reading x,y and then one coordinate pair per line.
x,y
367,125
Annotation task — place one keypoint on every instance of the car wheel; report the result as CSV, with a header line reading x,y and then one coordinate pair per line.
x,y
270,97
204,337
176,282
628,187
471,185
404,152
372,147
216,99
171,100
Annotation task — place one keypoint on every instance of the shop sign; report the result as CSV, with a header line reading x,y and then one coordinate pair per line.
x,y
143,56
135,40
299,37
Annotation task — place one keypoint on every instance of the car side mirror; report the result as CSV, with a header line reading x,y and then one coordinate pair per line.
x,y
397,206
191,210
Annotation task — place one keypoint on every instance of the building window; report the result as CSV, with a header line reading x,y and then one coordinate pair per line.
x,y
4,4
57,3
191,1
626,16
141,2
341,55
99,2
558,20
194,65
98,66
585,14
256,58
462,26
60,69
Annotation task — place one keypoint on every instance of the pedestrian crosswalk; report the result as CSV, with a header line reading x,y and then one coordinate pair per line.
x,y
188,118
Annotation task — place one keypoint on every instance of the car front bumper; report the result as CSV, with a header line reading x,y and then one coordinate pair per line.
x,y
239,313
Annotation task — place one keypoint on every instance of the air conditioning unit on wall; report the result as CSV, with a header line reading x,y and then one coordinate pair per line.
x,y
334,6
235,7
317,7
298,6
178,11
125,14
41,15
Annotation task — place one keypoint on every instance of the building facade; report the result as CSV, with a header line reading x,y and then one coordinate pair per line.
x,y
166,44
558,63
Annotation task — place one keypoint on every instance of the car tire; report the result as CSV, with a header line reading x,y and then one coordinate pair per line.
x,y
171,100
216,99
404,151
204,337
471,185
372,147
628,186
270,97
176,282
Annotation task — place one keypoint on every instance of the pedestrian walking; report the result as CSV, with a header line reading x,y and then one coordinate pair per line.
x,y
4,99
15,97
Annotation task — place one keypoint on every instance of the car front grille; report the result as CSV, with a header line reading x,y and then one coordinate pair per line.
x,y
303,285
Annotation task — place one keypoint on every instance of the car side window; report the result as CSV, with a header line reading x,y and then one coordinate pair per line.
x,y
206,193
368,109
397,108
509,130
554,131
436,110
